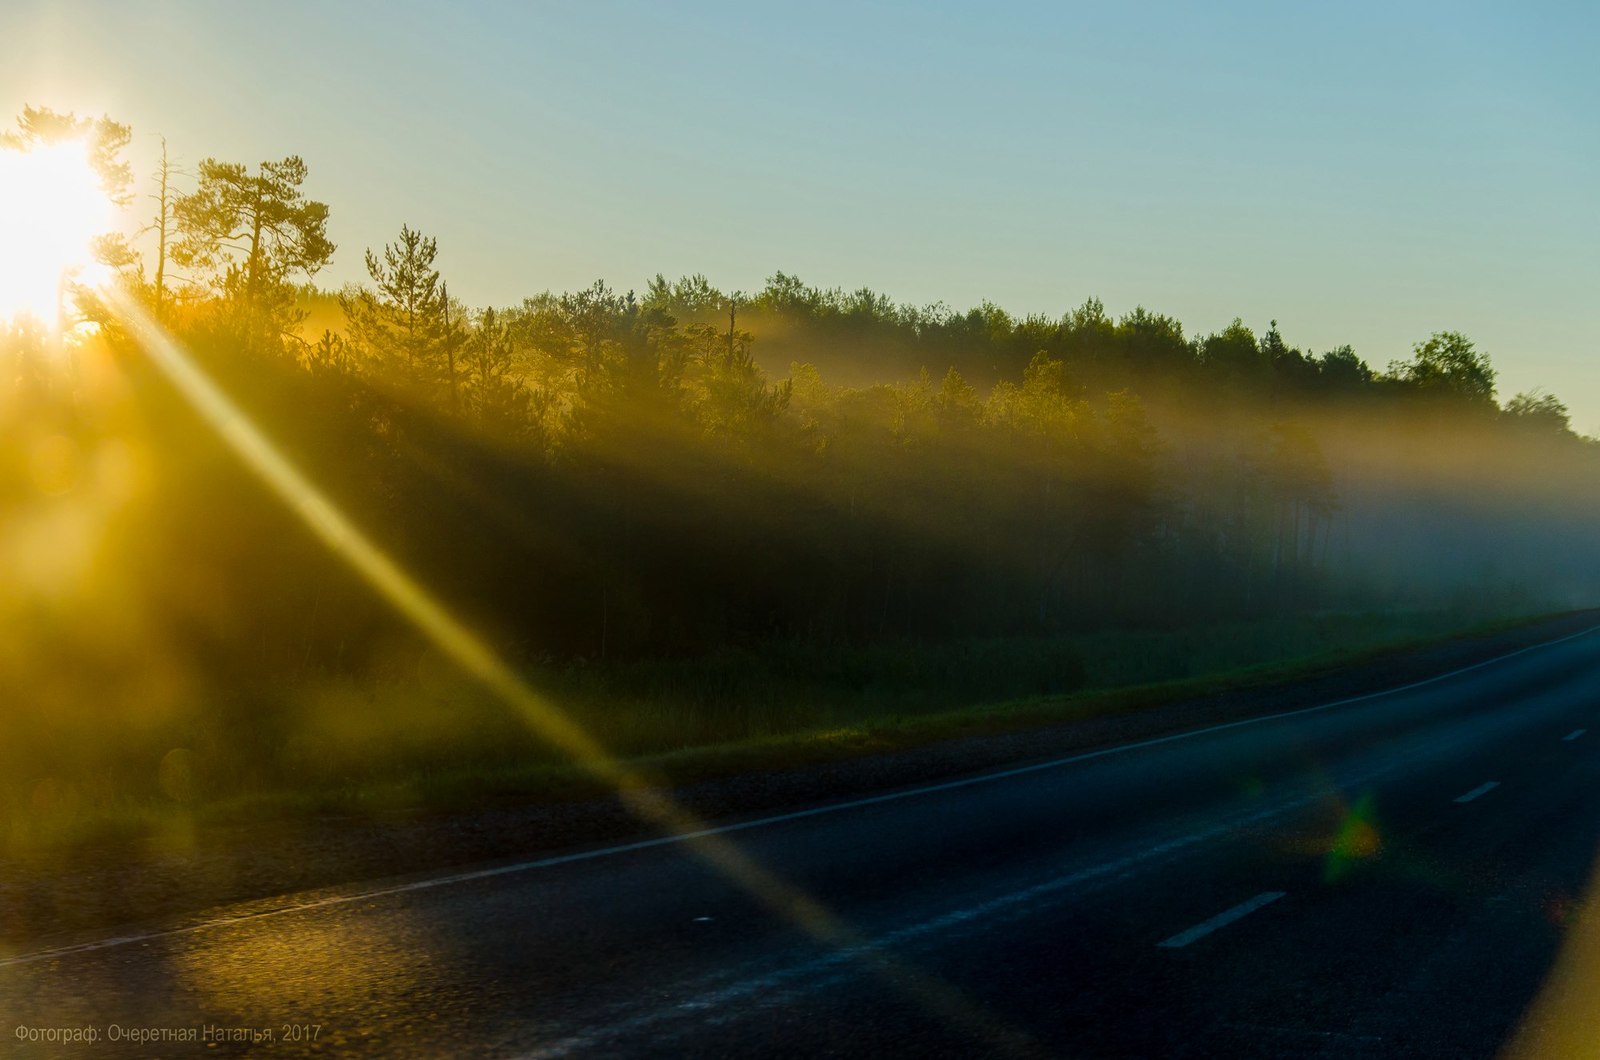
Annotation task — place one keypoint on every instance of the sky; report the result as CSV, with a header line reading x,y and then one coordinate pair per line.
x,y
1362,173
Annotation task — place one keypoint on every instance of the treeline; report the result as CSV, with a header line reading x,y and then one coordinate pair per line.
x,y
604,475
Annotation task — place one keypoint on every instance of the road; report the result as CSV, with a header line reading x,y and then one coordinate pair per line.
x,y
1398,875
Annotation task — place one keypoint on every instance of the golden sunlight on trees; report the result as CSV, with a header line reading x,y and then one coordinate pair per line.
x,y
497,394
628,489
60,178
402,320
164,227
250,233
52,210
104,139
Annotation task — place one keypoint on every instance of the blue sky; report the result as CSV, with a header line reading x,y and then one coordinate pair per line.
x,y
1362,173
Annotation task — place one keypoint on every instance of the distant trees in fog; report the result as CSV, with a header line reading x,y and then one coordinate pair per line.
x,y
600,472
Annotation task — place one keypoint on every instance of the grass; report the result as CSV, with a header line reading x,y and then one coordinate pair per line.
x,y
774,709
432,744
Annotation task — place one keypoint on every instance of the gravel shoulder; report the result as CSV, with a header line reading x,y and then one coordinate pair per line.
x,y
189,869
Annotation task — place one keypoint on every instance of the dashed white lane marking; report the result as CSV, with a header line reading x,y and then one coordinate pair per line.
x,y
1481,789
1221,920
781,986
1573,735
456,878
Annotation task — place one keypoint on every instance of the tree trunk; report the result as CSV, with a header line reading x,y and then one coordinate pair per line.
x,y
163,233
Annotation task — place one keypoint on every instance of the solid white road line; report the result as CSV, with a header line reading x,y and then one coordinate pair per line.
x,y
454,878
1223,919
1481,789
1573,735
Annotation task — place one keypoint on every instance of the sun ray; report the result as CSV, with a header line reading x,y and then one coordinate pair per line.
x,y
467,650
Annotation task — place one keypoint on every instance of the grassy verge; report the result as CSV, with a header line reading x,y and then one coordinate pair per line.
x,y
429,744
1176,666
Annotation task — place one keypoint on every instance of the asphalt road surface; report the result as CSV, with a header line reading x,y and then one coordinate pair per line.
x,y
1399,875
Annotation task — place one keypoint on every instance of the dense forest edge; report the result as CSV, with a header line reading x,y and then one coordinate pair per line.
x,y
689,515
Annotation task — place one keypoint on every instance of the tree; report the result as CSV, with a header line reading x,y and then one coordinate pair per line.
x,y
164,225
1233,354
404,317
1290,368
254,229
1448,364
1539,411
330,356
496,395
1300,485
592,318
956,404
104,140
1341,369
689,296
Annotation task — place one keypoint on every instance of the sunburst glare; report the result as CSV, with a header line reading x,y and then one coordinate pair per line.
x,y
52,206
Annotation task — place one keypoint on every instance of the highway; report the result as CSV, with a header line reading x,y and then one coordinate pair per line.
x,y
1398,875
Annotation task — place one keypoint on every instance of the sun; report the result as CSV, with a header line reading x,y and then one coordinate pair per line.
x,y
52,207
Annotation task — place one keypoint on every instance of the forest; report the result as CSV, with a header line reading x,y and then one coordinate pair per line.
x,y
680,491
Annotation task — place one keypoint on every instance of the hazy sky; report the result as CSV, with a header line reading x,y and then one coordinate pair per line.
x,y
1363,173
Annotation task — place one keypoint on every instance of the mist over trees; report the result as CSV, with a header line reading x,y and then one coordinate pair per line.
x,y
605,474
